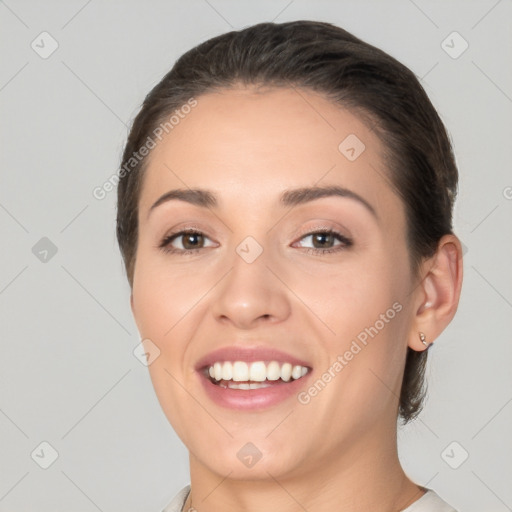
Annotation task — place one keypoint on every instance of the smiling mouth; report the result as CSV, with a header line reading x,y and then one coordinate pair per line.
x,y
254,375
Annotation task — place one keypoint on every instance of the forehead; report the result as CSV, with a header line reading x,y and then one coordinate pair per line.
x,y
264,141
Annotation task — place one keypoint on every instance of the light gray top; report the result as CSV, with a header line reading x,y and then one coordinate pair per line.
x,y
429,502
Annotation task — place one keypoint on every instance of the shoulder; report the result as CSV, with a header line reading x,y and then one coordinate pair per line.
x,y
430,502
178,501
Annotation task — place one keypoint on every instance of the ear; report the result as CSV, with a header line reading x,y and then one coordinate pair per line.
x,y
437,297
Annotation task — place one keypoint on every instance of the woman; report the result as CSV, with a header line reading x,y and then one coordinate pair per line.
x,y
284,215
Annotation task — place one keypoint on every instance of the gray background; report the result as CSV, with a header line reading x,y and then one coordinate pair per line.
x,y
68,375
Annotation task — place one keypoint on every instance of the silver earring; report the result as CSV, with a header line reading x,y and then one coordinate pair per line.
x,y
423,339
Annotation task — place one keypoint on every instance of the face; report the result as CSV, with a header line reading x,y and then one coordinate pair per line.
x,y
295,260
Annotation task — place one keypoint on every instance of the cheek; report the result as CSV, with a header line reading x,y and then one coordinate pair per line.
x,y
163,305
162,298
351,296
170,304
363,307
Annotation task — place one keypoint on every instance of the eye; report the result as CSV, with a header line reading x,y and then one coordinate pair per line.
x,y
324,241
188,241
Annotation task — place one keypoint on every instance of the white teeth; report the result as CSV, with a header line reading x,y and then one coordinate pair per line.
x,y
258,371
252,375
240,371
244,385
286,372
273,371
258,385
227,371
297,372
217,371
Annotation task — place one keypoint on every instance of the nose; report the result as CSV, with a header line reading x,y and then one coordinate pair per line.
x,y
251,293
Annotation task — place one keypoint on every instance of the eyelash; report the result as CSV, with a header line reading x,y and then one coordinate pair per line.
x,y
345,242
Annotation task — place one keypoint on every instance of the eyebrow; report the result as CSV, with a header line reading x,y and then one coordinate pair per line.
x,y
207,199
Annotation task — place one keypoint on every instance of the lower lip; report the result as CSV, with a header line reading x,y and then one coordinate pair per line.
x,y
252,399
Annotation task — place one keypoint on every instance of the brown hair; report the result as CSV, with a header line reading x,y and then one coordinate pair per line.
x,y
326,59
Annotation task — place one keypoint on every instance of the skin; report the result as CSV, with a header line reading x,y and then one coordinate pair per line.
x,y
337,452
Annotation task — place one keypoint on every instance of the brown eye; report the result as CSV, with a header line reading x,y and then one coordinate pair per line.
x,y
184,242
325,241
192,240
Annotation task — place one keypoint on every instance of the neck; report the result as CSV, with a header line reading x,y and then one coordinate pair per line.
x,y
366,475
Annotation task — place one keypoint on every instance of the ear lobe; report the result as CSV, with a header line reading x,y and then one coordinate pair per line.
x,y
438,293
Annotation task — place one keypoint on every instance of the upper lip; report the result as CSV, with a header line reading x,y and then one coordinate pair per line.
x,y
248,354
